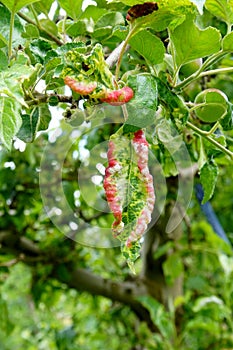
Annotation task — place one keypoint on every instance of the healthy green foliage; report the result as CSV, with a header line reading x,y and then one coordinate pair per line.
x,y
188,42
208,176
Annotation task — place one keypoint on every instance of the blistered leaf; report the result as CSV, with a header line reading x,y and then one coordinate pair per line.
x,y
208,177
129,189
188,42
141,42
222,9
10,120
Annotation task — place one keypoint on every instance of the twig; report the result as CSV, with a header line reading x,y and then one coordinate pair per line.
x,y
29,20
114,55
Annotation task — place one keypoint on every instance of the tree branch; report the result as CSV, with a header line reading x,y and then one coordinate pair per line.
x,y
114,55
124,292
29,20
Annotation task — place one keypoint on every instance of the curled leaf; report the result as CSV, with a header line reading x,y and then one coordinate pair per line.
x,y
118,97
129,189
82,88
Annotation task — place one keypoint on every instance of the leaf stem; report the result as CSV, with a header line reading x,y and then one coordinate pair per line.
x,y
132,31
216,71
12,21
201,71
210,139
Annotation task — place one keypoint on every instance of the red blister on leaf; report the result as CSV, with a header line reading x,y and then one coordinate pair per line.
x,y
129,189
82,88
118,97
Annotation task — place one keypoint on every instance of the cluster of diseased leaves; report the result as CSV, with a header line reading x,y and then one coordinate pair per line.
x,y
128,184
89,75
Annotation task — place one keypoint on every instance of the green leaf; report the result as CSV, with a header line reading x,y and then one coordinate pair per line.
x,y
49,25
130,2
5,16
72,8
10,120
141,42
16,5
200,5
43,6
172,102
222,9
29,126
159,316
39,49
80,28
227,42
141,109
3,61
3,41
168,135
6,325
93,12
10,81
227,120
31,32
208,177
110,19
173,268
188,42
44,117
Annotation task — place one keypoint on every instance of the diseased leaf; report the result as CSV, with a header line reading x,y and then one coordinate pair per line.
x,y
222,9
208,177
141,42
10,120
129,189
16,5
188,42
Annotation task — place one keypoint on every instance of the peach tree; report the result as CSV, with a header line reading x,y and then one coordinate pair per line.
x,y
120,108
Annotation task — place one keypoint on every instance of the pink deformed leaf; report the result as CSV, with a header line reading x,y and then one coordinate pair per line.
x,y
81,87
118,97
129,189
